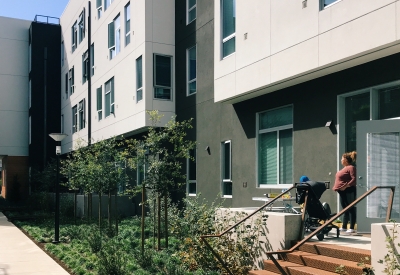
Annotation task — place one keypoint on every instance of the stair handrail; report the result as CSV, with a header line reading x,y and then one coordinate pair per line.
x,y
204,237
333,218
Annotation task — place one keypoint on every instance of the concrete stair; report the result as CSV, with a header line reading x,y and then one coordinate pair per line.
x,y
320,259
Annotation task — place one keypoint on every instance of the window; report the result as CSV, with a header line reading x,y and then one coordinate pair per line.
x,y
107,3
139,79
81,26
30,57
162,77
127,24
74,33
191,70
114,31
226,168
325,3
99,8
191,10
228,27
99,103
66,85
109,97
191,173
275,146
74,119
62,124
389,102
92,59
85,67
71,81
62,53
81,114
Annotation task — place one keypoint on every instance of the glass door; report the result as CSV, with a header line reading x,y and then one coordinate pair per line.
x,y
378,164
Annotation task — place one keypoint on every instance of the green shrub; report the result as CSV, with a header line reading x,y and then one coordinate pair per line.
x,y
95,241
111,262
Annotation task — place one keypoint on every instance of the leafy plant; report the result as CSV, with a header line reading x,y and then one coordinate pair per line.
x,y
390,259
110,260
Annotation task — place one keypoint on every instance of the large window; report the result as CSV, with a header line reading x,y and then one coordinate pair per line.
x,y
228,26
74,34
81,26
109,97
191,173
114,39
226,168
139,79
66,85
99,7
191,70
81,115
62,53
127,24
379,102
92,59
162,77
191,10
107,3
74,119
99,103
275,146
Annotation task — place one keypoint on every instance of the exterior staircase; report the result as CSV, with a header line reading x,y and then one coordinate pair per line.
x,y
320,259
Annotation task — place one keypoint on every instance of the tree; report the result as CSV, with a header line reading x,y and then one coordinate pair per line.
x,y
95,168
161,154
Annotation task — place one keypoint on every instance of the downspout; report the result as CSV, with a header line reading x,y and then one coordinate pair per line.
x,y
89,72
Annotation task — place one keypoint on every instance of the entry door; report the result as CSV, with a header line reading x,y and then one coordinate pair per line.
x,y
378,163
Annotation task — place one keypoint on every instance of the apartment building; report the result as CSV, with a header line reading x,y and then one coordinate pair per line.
x,y
277,88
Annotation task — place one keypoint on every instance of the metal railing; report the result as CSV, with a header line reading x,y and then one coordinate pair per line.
x,y
47,19
282,253
204,237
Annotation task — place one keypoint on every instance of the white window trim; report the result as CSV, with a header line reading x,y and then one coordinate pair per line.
x,y
188,71
141,87
229,37
81,112
274,129
112,104
127,33
322,3
223,181
188,10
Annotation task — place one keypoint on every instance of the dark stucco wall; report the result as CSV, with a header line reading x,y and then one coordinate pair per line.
x,y
314,103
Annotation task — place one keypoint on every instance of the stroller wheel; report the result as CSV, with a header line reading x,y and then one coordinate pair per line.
x,y
320,236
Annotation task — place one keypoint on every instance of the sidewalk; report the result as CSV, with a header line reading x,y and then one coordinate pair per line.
x,y
20,256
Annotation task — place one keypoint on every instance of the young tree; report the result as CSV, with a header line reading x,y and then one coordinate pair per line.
x,y
161,154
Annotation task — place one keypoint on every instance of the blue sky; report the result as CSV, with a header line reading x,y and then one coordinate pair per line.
x,y
27,9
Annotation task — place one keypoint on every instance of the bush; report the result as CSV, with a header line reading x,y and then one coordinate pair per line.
x,y
111,261
95,241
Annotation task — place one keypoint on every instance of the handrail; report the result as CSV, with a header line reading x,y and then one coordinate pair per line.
x,y
204,237
320,228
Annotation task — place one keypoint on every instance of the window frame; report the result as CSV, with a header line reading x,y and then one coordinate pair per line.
x,y
114,48
324,6
75,119
230,36
270,130
81,115
190,81
127,10
74,40
66,84
225,181
188,10
188,180
71,81
81,26
99,103
139,90
112,98
99,8
85,66
62,54
92,59
155,86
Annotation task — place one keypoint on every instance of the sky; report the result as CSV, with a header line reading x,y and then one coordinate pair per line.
x,y
27,9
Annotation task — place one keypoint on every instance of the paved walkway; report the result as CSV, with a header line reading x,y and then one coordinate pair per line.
x,y
20,256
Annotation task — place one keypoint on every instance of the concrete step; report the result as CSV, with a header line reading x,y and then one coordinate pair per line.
x,y
261,272
336,251
324,262
293,269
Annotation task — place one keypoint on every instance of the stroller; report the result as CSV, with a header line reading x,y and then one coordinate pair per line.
x,y
309,193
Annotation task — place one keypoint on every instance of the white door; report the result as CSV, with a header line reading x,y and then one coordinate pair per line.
x,y
378,164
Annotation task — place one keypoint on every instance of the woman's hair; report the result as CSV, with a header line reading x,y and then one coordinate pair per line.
x,y
351,157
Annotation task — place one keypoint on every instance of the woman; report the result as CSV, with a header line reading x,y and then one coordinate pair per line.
x,y
345,185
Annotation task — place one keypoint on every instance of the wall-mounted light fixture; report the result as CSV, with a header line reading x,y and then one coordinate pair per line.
x,y
329,123
208,150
